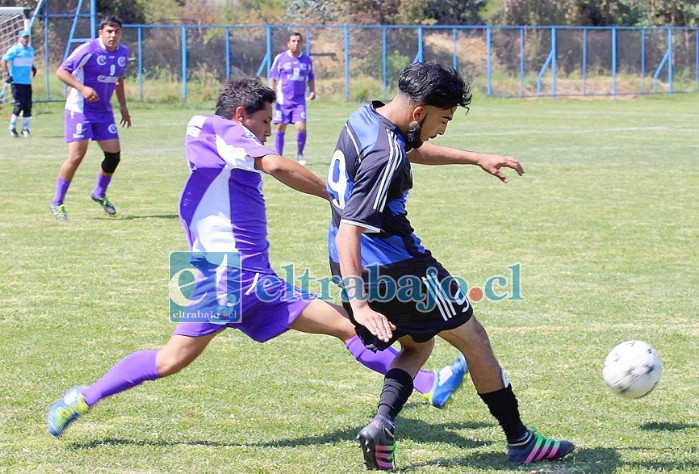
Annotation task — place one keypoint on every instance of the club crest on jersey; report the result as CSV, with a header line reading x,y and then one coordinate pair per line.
x,y
101,60
113,128
121,61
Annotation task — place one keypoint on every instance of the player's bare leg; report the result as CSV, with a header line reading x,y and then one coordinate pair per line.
x,y
136,368
523,445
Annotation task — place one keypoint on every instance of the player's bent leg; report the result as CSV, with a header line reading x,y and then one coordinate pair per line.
x,y
377,440
523,445
472,341
112,156
179,352
76,153
133,370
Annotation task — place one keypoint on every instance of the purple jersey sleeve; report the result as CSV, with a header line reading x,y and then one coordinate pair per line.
x,y
213,142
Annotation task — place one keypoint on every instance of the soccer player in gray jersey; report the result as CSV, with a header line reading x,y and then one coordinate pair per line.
x,y
371,242
222,209
94,71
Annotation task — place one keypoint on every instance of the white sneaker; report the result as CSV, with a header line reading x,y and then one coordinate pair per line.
x,y
26,133
301,160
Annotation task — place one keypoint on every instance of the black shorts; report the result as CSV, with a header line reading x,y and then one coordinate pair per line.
x,y
418,296
23,99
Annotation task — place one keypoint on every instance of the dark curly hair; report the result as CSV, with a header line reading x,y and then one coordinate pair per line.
x,y
246,92
434,84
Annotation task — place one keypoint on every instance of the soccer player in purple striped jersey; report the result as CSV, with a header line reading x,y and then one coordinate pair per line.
x,y
369,180
290,72
222,209
94,71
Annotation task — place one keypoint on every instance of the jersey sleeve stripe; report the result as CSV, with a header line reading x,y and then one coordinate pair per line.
x,y
387,175
354,142
369,228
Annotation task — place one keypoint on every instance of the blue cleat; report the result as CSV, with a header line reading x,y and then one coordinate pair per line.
x,y
66,410
536,447
447,380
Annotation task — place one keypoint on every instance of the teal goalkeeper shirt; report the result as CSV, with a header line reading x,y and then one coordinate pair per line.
x,y
21,60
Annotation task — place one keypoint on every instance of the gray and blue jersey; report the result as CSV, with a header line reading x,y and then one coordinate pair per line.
x,y
369,180
20,58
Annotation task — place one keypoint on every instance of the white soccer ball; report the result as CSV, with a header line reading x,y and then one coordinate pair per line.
x,y
632,369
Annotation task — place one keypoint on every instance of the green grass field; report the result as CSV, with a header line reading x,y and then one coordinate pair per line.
x,y
604,226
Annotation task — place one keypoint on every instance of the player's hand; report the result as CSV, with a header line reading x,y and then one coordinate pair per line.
x,y
376,323
125,119
90,94
312,96
491,164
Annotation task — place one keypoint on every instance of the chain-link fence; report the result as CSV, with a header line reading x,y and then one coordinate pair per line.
x,y
189,62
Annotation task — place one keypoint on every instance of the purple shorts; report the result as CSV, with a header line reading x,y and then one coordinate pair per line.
x,y
289,113
269,306
79,128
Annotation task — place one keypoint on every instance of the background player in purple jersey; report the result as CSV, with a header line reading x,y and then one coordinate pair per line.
x,y
94,71
222,209
290,72
369,180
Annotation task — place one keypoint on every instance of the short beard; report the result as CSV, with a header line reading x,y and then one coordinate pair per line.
x,y
412,139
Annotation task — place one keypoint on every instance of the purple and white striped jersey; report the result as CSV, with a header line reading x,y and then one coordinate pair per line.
x,y
222,207
291,75
93,65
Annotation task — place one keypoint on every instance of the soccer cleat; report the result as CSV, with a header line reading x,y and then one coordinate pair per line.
x,y
13,133
447,381
26,133
536,447
65,411
59,212
300,159
378,444
105,203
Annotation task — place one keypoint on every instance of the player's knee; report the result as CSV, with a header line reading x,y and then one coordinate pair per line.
x,y
111,161
171,362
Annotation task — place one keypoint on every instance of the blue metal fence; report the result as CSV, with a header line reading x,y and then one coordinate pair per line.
x,y
356,62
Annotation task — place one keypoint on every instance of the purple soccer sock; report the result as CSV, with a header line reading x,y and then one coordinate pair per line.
x,y
101,185
133,370
61,189
381,362
279,142
301,140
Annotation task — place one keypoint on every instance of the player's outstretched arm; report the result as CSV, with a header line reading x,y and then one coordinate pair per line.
x,y
292,174
432,154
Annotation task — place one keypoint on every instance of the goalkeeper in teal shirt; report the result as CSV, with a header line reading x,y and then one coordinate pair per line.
x,y
18,65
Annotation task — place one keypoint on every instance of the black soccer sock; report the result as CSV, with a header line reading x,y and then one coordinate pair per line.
x,y
397,387
504,407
